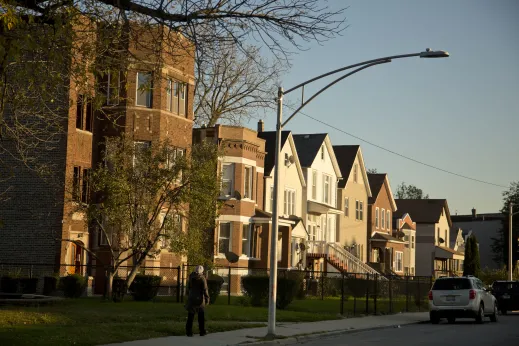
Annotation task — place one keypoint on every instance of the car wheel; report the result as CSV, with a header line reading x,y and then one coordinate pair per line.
x,y
434,318
451,320
493,317
481,314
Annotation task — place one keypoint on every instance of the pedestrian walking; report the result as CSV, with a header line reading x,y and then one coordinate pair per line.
x,y
197,300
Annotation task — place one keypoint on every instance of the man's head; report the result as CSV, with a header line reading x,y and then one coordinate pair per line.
x,y
199,270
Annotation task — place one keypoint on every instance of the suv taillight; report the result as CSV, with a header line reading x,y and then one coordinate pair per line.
x,y
472,294
430,295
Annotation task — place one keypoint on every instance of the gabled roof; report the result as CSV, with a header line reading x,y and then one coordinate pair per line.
x,y
424,210
376,183
308,147
346,155
270,147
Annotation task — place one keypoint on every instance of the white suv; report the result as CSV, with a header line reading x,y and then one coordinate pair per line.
x,y
461,297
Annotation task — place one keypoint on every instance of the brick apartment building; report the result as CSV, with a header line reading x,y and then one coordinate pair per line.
x,y
38,215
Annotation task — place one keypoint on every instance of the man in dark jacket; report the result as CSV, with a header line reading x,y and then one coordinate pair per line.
x,y
197,299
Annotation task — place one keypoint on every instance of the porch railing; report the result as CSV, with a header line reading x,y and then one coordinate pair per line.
x,y
345,258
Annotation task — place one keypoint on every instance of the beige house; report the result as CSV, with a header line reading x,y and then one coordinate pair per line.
x,y
352,190
405,228
433,223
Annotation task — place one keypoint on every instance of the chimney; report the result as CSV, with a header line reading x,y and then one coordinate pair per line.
x,y
261,126
474,212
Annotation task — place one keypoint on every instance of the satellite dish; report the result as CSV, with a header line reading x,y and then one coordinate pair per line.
x,y
442,241
291,159
232,257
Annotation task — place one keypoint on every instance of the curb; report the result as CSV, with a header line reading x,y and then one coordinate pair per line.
x,y
297,339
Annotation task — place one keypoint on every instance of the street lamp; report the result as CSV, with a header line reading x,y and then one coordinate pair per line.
x,y
428,53
510,254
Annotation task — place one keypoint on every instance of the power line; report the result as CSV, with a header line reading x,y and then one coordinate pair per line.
x,y
398,154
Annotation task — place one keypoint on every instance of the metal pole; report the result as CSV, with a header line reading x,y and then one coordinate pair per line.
x,y
178,284
275,219
229,286
510,255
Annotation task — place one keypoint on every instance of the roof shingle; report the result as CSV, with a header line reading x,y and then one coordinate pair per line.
x,y
423,210
376,181
308,147
270,147
345,155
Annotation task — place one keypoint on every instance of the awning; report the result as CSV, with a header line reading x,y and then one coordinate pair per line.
x,y
385,238
448,253
321,208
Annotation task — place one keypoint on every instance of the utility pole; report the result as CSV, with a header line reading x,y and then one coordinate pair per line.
x,y
510,254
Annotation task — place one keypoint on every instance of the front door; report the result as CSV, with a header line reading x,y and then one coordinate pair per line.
x,y
75,259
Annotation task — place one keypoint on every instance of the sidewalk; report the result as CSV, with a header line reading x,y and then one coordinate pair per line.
x,y
288,330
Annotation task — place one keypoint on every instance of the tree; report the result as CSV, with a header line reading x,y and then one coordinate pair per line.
x,y
409,192
234,85
372,170
500,243
471,264
142,195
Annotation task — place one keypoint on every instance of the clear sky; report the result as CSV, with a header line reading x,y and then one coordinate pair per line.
x,y
459,113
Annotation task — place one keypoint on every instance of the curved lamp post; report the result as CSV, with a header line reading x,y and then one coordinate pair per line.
x,y
428,53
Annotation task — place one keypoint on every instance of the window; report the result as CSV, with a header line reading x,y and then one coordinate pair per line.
x,y
322,152
399,261
227,180
89,116
355,173
347,206
376,217
245,240
139,149
383,219
254,242
271,198
224,238
79,112
314,184
102,238
327,188
173,155
290,202
412,242
114,85
172,223
248,183
438,236
144,89
176,97
361,210
388,217
80,185
446,240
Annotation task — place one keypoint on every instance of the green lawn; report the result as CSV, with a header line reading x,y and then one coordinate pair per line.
x,y
91,321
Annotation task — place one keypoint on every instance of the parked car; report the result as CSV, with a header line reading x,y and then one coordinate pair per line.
x,y
461,297
507,295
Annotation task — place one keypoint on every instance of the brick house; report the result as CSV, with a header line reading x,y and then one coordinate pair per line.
x,y
149,115
404,228
386,251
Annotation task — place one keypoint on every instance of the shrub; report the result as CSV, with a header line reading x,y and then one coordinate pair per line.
x,y
145,287
50,285
214,284
9,284
28,285
256,288
118,289
73,285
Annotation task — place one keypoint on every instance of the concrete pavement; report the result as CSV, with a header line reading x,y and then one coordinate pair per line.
x,y
289,332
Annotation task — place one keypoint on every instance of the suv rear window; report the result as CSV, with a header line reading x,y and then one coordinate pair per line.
x,y
452,284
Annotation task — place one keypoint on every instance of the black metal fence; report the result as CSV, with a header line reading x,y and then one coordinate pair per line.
x,y
342,293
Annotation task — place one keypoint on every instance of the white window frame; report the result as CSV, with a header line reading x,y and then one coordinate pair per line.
x,y
220,237
148,92
361,204
323,156
289,205
327,190
108,87
399,261
355,173
383,219
247,177
412,241
377,224
388,218
314,184
230,193
246,230
169,95
347,206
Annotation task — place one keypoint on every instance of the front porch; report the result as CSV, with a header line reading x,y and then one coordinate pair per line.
x,y
447,262
387,254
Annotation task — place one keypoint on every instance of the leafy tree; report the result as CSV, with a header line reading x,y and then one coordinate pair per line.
x,y
142,195
500,243
372,170
471,264
405,191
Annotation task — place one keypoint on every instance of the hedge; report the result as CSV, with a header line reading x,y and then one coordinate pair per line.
x,y
256,288
145,287
73,285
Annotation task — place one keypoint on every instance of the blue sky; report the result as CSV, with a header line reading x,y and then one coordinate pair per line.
x,y
459,113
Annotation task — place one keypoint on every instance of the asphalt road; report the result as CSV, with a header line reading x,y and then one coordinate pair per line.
x,y
464,332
